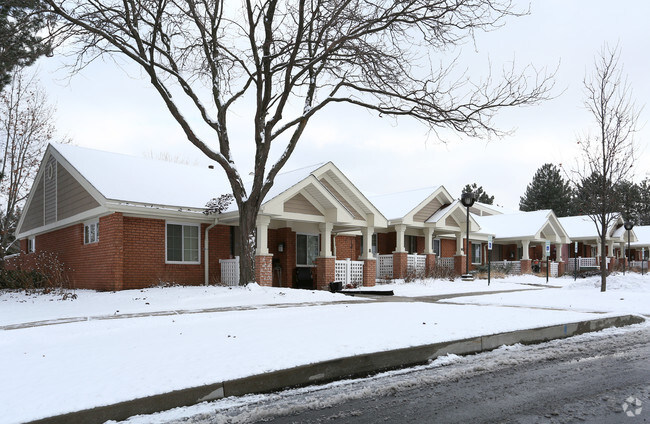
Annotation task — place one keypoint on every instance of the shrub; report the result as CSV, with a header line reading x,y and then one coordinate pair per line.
x,y
41,271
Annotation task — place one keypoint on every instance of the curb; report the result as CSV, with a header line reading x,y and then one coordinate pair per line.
x,y
322,372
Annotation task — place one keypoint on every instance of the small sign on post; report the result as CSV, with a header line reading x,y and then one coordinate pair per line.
x,y
548,253
488,258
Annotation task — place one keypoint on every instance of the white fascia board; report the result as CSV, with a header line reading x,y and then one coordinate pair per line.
x,y
78,218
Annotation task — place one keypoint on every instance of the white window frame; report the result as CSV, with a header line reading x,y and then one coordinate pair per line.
x,y
183,225
31,244
307,245
480,248
91,232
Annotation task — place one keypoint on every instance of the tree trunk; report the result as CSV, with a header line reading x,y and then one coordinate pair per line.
x,y
603,263
247,242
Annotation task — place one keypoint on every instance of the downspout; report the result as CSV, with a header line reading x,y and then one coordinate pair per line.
x,y
206,250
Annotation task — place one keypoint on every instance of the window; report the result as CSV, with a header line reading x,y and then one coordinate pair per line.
x,y
91,232
436,247
374,245
306,249
183,243
31,245
476,253
411,244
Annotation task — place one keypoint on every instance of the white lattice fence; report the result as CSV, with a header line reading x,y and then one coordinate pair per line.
x,y
582,263
445,262
349,272
416,263
513,267
554,269
385,266
230,271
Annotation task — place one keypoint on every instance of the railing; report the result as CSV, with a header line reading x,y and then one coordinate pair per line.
x,y
384,266
553,272
637,264
416,263
230,271
445,262
583,263
349,272
513,267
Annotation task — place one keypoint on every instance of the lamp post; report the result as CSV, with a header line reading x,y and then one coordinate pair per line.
x,y
628,226
467,199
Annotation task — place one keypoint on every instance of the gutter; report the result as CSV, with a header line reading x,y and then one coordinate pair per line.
x,y
206,250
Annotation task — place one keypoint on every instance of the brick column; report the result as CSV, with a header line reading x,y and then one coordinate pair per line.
x,y
112,239
460,264
610,265
429,264
264,270
622,262
325,272
526,266
400,262
369,272
561,269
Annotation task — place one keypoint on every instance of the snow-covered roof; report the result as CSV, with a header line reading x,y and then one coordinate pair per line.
x,y
285,180
513,225
643,235
580,227
142,180
398,205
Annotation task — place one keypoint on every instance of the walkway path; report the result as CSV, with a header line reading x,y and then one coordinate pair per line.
x,y
362,299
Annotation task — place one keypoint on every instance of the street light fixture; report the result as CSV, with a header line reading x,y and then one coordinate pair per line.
x,y
628,226
467,199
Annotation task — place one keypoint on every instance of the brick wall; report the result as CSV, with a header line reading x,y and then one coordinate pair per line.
x,y
348,247
447,248
130,254
96,266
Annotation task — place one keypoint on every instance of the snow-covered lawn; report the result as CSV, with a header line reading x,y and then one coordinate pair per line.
x,y
18,307
53,369
629,293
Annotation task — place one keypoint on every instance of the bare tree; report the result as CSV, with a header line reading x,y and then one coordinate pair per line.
x,y
26,127
287,60
607,156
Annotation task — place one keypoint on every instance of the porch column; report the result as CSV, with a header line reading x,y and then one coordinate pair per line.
x,y
610,256
325,263
400,229
558,252
460,258
525,262
430,260
325,239
400,255
263,260
369,261
558,257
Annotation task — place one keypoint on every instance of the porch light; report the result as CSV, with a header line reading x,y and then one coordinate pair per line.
x,y
467,199
628,226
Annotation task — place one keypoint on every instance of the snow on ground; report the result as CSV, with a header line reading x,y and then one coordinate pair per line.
x,y
61,368
18,307
54,369
629,293
431,287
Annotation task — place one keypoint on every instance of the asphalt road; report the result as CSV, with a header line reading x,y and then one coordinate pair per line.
x,y
595,378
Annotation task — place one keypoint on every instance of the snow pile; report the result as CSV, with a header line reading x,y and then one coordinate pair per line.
x,y
432,287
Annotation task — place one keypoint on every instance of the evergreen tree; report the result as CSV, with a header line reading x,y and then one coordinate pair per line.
x,y
19,43
548,190
479,194
643,211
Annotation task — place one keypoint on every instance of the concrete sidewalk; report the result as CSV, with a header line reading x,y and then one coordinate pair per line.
x,y
363,298
317,373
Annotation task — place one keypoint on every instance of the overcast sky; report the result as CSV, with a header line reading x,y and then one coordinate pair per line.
x,y
105,108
